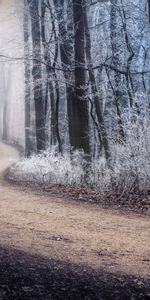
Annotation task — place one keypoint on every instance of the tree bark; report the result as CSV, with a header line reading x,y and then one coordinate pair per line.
x,y
102,130
37,74
51,77
27,63
80,136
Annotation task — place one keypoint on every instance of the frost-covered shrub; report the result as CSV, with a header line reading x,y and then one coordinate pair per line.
x,y
129,172
50,167
131,160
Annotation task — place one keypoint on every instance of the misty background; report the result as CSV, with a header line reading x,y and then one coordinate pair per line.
x,y
11,72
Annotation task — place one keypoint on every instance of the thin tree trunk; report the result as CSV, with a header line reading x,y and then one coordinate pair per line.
x,y
37,74
80,137
51,76
28,144
66,44
96,100
116,63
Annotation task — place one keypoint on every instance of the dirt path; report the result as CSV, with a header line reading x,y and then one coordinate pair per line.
x,y
70,231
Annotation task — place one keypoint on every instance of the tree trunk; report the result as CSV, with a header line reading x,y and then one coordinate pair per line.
x,y
51,77
37,74
80,135
115,61
96,100
28,143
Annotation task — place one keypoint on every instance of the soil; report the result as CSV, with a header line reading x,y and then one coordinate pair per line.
x,y
56,248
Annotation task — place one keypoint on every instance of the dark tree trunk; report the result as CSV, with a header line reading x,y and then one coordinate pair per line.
x,y
148,9
96,101
80,134
37,74
72,43
28,144
115,61
51,77
66,44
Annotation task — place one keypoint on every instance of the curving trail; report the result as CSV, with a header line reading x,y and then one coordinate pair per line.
x,y
71,231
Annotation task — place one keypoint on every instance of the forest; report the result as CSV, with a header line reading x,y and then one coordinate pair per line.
x,y
74,149
85,83
86,68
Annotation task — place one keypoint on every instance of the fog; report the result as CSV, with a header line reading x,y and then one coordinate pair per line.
x,y
11,71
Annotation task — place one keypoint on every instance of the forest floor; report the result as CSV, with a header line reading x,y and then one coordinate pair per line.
x,y
56,248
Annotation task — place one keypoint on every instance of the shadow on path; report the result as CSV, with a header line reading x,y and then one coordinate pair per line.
x,y
28,277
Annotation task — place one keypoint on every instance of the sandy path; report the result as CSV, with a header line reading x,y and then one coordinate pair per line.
x,y
71,231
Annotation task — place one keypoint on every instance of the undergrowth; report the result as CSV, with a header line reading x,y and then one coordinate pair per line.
x,y
130,161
